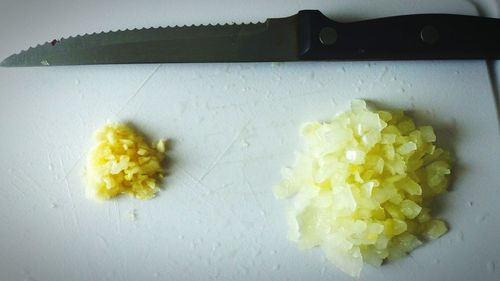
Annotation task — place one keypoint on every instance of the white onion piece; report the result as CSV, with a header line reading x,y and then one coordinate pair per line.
x,y
362,185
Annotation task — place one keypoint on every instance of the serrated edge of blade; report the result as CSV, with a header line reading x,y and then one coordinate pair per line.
x,y
40,45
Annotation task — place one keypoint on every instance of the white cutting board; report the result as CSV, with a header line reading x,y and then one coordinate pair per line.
x,y
234,126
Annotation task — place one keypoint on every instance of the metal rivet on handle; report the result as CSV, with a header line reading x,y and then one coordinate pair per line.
x,y
429,34
328,36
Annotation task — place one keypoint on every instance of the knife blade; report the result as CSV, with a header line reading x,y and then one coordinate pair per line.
x,y
308,35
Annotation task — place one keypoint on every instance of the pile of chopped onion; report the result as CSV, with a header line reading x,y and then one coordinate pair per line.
x,y
362,187
122,162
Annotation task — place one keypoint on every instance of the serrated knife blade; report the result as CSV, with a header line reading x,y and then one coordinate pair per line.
x,y
205,43
308,35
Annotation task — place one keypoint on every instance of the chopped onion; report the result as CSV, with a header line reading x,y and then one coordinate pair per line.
x,y
122,162
363,185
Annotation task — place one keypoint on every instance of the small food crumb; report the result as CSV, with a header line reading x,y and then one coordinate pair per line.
x,y
160,146
132,215
245,144
122,162
276,64
481,218
362,187
491,266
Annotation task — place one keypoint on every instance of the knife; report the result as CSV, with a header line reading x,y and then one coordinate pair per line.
x,y
308,35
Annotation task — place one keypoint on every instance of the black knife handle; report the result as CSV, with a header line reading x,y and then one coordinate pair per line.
x,y
409,37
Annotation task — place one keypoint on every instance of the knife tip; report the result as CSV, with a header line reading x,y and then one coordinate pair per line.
x,y
11,61
6,62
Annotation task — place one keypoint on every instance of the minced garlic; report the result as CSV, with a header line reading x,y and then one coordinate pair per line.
x,y
122,162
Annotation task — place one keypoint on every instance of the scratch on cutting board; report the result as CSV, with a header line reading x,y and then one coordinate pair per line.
x,y
109,214
333,101
302,95
196,182
148,78
16,187
33,181
247,160
73,207
49,158
383,73
145,258
223,153
89,268
252,192
29,179
137,109
119,220
207,203
66,174
191,177
103,240
64,221
70,195
82,121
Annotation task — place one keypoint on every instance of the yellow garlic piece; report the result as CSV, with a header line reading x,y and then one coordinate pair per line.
x,y
122,162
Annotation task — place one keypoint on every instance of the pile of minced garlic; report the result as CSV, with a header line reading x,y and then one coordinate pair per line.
x,y
122,162
362,187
